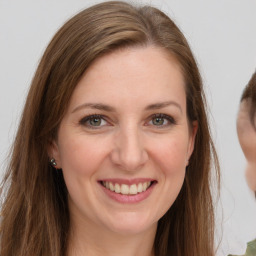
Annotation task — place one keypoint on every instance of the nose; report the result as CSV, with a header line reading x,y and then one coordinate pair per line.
x,y
129,151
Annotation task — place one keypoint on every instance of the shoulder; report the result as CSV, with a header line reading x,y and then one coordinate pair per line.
x,y
251,249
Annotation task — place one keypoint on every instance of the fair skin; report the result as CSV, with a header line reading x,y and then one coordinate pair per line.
x,y
126,130
247,138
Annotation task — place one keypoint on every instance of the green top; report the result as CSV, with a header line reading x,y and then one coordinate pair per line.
x,y
251,249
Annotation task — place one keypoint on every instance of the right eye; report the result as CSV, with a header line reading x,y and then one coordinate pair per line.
x,y
93,121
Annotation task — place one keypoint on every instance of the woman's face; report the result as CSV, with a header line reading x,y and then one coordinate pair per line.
x,y
125,141
247,138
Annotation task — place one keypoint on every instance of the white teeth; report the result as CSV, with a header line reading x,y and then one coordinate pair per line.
x,y
139,188
125,189
117,188
111,186
133,189
144,186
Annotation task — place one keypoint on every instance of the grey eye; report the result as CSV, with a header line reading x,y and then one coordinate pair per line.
x,y
158,121
95,121
161,120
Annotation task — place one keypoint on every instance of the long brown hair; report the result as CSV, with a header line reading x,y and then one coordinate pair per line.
x,y
249,93
35,216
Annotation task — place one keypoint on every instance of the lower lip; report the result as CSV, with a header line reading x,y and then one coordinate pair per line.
x,y
129,199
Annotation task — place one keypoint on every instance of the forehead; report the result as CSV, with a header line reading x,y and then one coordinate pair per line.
x,y
132,74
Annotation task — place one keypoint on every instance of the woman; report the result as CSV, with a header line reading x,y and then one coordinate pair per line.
x,y
246,130
113,152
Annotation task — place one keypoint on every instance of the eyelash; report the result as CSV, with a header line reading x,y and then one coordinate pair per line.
x,y
170,119
84,120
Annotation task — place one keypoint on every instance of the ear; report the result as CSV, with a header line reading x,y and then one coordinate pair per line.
x,y
192,137
53,152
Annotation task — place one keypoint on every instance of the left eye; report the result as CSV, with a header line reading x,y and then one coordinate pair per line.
x,y
161,120
95,121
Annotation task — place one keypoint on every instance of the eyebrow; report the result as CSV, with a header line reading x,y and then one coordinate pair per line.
x,y
163,105
98,106
108,108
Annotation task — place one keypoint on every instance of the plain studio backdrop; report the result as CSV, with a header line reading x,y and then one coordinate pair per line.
x,y
222,35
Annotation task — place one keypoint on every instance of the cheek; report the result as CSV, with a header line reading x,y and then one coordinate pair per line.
x,y
171,155
80,156
248,144
170,161
251,176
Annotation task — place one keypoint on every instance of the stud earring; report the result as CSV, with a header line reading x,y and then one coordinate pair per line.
x,y
53,162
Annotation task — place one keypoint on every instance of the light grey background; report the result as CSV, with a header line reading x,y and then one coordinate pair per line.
x,y
222,34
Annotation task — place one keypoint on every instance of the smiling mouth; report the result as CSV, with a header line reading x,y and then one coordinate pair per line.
x,y
126,189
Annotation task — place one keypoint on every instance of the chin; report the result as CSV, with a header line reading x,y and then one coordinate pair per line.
x,y
131,224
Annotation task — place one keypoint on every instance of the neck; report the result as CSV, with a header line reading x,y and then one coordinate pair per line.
x,y
93,240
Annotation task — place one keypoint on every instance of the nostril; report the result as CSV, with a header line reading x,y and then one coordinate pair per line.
x,y
129,161
129,152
